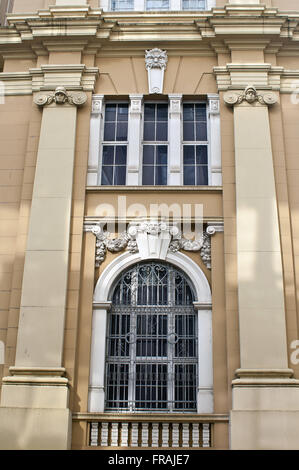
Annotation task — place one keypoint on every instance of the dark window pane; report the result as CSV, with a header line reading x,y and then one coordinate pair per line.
x,y
189,158
110,112
107,175
201,155
201,175
188,112
122,112
109,131
148,175
162,112
149,131
149,112
162,133
120,175
189,175
201,131
161,175
200,112
148,155
161,155
122,131
188,131
108,155
120,155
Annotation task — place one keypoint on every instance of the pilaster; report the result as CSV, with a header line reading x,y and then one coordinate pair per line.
x,y
37,384
264,379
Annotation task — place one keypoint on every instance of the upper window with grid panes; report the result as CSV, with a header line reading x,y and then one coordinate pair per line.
x,y
149,5
155,144
115,144
195,144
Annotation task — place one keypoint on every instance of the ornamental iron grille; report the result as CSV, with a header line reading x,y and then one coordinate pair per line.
x,y
152,360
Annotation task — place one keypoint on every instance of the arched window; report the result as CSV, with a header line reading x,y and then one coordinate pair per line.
x,y
151,349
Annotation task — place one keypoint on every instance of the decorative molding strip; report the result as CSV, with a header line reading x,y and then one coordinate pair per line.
x,y
60,96
251,96
151,238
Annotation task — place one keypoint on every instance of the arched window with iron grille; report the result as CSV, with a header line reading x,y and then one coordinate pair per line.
x,y
151,349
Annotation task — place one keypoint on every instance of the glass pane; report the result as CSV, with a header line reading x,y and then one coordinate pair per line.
x,y
120,155
161,155
120,175
149,112
188,112
189,175
148,175
161,175
162,131
193,4
201,131
200,112
201,155
110,112
188,131
109,131
107,175
148,155
189,157
157,5
149,131
202,175
122,112
108,155
122,131
162,112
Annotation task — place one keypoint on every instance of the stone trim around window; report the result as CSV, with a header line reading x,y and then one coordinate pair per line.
x,y
134,160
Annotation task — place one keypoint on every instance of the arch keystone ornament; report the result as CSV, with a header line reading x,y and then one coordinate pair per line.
x,y
151,239
60,96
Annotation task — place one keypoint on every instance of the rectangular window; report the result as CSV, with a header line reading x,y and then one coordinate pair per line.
x,y
155,144
195,144
157,4
114,148
193,4
122,5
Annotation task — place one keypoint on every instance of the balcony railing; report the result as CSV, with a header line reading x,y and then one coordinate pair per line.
x,y
148,431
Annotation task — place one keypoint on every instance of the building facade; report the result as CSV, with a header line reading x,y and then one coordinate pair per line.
x,y
149,224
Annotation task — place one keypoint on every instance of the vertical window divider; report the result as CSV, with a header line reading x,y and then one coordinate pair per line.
x,y
95,138
134,139
215,173
175,139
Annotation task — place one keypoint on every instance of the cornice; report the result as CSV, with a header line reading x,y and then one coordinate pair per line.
x,y
83,23
47,77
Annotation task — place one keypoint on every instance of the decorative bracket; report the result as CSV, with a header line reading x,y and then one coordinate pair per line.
x,y
60,96
250,95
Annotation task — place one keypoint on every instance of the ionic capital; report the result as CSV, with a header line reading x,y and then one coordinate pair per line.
x,y
251,96
60,96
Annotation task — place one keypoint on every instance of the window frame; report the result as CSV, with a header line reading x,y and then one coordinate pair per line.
x,y
195,143
172,361
154,142
111,143
140,5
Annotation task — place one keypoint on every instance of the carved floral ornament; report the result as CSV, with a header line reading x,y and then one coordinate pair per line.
x,y
154,237
250,95
60,96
